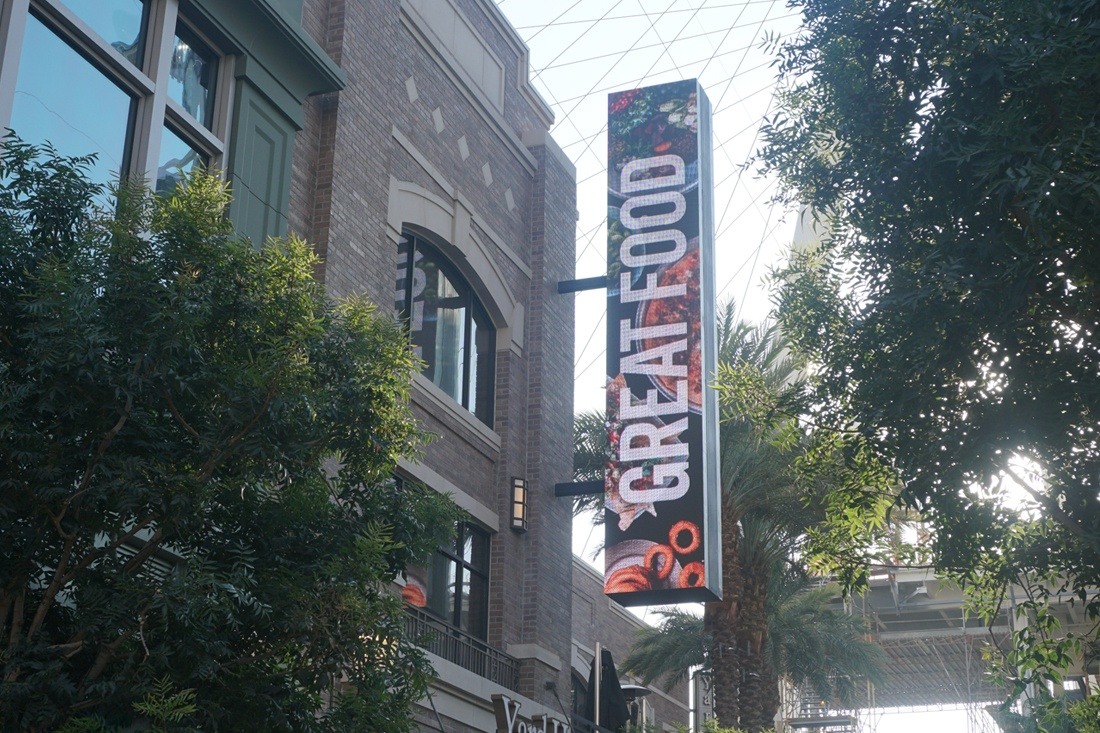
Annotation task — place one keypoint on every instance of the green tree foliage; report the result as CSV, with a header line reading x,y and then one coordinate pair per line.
x,y
197,522
951,151
818,646
769,501
712,726
591,452
811,643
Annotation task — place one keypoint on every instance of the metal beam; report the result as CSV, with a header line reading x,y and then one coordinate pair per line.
x,y
584,283
578,488
888,636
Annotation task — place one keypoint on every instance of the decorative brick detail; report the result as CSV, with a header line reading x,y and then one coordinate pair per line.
x,y
523,198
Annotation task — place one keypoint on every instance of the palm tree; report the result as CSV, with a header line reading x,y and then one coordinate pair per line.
x,y
818,646
810,644
591,448
762,514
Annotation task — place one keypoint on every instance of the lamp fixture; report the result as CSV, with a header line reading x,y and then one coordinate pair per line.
x,y
519,504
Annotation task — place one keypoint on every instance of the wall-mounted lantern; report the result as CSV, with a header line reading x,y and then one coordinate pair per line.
x,y
519,504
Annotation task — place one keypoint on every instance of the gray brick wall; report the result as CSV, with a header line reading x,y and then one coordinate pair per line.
x,y
344,158
550,319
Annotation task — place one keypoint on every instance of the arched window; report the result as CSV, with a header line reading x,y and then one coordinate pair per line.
x,y
448,326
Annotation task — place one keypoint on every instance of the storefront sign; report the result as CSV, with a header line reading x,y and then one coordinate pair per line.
x,y
662,535
509,721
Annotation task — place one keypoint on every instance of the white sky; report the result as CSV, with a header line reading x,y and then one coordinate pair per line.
x,y
583,49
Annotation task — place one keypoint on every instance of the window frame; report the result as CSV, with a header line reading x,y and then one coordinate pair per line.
x,y
474,311
152,110
449,560
462,567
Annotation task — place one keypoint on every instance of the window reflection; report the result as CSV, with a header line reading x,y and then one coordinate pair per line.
x,y
441,586
476,610
119,22
455,584
177,158
442,337
193,76
54,93
483,345
448,328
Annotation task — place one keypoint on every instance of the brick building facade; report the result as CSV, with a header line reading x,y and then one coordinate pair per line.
x,y
438,143
402,138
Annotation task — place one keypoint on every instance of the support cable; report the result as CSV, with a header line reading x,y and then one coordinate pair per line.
x,y
543,26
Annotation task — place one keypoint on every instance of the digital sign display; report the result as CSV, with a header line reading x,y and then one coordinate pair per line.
x,y
662,541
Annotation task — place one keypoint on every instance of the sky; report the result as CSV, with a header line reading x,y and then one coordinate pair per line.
x,y
581,50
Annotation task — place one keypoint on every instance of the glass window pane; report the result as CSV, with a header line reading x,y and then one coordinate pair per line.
x,y
438,327
441,582
477,550
472,400
481,366
119,22
176,158
415,592
193,76
475,605
402,277
466,552
62,99
441,308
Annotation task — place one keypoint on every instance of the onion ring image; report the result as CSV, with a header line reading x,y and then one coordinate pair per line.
x,y
693,575
627,580
632,554
653,561
678,530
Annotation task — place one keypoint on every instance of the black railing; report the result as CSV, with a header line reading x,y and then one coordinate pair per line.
x,y
459,647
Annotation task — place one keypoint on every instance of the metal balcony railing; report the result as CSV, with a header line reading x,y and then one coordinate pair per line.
x,y
458,647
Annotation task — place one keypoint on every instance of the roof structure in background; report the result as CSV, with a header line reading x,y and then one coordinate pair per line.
x,y
935,651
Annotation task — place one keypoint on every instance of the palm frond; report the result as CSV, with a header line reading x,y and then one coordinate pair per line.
x,y
815,644
591,449
669,650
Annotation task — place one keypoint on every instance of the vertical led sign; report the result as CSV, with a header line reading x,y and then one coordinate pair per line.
x,y
662,497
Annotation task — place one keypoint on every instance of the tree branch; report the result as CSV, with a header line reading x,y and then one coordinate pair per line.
x,y
219,453
143,554
101,450
62,578
17,616
176,414
106,651
1051,506
54,587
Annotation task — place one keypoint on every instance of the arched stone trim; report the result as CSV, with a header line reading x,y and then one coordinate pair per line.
x,y
446,224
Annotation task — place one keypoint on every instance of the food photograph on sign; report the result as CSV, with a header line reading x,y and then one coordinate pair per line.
x,y
661,472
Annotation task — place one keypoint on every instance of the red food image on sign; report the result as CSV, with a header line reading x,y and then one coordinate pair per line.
x,y
640,565
683,309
